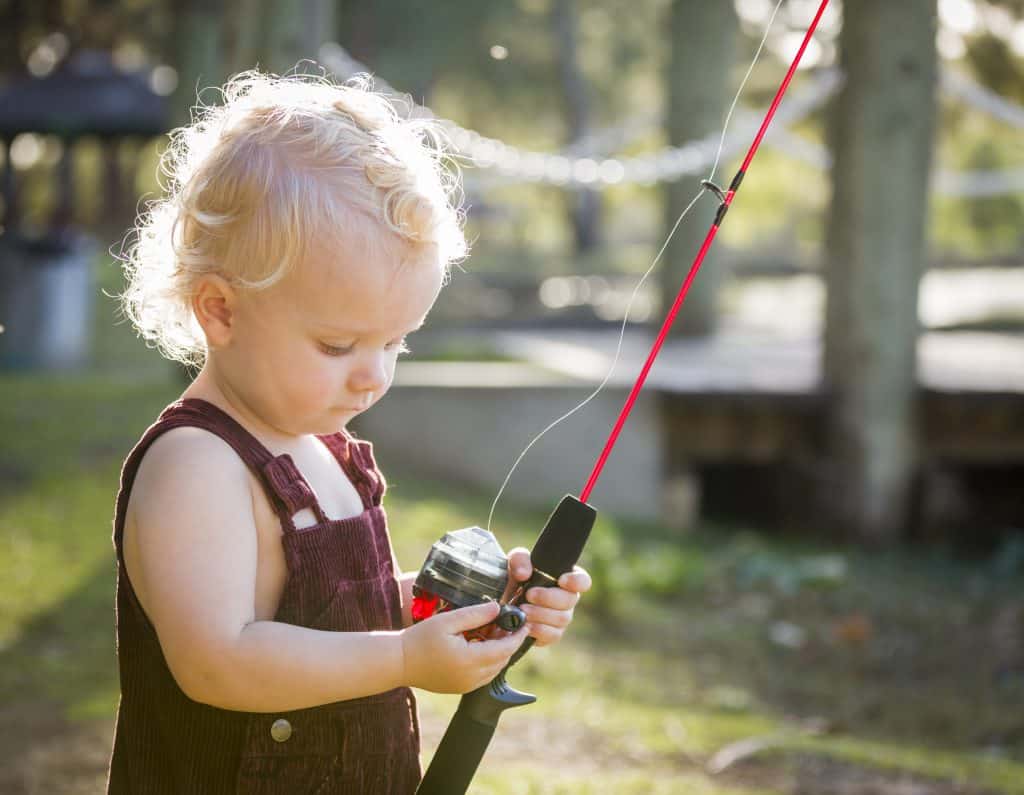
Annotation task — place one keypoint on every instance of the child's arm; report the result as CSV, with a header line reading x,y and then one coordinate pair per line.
x,y
192,561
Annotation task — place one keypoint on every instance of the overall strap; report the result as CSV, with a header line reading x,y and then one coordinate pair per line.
x,y
356,459
288,490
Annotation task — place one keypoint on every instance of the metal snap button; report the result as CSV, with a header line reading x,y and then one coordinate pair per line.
x,y
281,730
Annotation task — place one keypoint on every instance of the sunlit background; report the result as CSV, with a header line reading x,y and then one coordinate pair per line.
x,y
810,545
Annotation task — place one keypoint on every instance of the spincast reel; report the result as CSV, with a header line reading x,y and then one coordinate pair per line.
x,y
466,567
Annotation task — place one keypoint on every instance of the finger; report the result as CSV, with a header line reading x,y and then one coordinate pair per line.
x,y
483,680
488,675
519,566
466,618
555,598
493,632
559,619
493,670
497,652
543,634
578,580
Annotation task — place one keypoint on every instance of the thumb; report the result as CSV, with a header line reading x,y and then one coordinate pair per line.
x,y
466,618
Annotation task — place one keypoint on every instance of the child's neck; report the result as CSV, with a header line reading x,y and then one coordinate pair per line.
x,y
210,387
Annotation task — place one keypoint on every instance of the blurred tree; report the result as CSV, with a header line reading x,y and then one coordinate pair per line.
x,y
411,43
703,45
1014,6
197,47
248,33
294,30
584,203
357,29
881,135
213,40
998,219
994,64
11,15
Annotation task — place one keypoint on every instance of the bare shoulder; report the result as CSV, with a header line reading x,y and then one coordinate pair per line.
x,y
190,483
190,543
186,457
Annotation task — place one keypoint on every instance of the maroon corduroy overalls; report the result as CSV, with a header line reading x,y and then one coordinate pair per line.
x,y
340,579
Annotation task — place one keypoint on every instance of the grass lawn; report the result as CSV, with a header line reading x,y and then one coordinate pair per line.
x,y
716,662
720,661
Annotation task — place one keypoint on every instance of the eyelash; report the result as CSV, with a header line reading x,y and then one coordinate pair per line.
x,y
331,350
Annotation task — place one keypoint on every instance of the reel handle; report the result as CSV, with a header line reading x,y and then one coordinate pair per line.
x,y
469,733
510,618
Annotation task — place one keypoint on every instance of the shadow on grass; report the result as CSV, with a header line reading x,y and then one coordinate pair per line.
x,y
678,627
64,437
886,661
59,690
66,654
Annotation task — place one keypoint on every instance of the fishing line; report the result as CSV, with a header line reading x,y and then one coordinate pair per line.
x,y
622,333
725,198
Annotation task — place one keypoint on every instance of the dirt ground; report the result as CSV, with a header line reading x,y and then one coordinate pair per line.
x,y
55,757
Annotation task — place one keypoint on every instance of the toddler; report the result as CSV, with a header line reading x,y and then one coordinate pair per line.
x,y
264,636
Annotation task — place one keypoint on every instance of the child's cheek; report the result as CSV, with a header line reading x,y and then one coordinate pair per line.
x,y
312,382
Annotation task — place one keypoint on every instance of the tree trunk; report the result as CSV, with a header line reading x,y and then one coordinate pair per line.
x,y
296,29
63,215
584,203
198,30
357,29
320,23
249,35
10,218
703,47
285,21
881,135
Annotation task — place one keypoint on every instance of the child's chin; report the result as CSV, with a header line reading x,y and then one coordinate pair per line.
x,y
339,418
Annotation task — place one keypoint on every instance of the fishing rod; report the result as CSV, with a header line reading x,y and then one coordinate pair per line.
x,y
461,570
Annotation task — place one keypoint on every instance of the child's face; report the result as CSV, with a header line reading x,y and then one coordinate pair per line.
x,y
313,351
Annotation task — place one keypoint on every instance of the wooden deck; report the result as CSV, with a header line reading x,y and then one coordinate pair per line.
x,y
756,397
754,364
726,424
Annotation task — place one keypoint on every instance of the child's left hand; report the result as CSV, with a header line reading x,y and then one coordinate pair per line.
x,y
548,610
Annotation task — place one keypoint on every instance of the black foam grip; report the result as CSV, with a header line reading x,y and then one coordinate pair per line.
x,y
562,540
457,757
558,547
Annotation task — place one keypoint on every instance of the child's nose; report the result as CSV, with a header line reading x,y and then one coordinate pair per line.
x,y
371,374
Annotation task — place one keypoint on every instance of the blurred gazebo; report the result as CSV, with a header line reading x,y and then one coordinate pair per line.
x,y
45,273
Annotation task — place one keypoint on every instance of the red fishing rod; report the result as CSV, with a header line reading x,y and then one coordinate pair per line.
x,y
561,541
726,201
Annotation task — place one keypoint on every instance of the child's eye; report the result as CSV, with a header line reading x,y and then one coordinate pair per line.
x,y
333,350
398,345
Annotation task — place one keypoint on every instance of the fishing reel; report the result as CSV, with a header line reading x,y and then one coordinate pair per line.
x,y
466,567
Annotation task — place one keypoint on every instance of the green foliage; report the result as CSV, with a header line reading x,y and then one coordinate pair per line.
x,y
995,65
441,54
56,562
639,702
997,222
534,780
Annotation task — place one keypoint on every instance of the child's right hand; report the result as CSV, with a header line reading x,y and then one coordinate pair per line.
x,y
436,656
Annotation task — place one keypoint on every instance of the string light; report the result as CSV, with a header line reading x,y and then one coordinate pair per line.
x,y
581,165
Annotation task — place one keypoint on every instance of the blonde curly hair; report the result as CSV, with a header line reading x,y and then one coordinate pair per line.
x,y
283,164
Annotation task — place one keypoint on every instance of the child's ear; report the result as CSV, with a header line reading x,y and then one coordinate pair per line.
x,y
214,307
